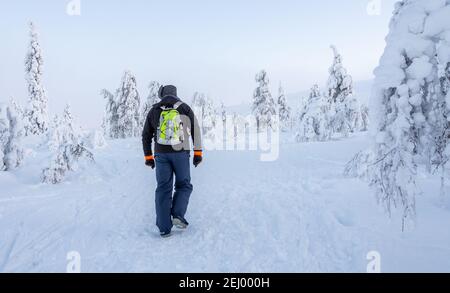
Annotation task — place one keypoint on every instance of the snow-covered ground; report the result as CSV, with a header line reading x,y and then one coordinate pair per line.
x,y
297,214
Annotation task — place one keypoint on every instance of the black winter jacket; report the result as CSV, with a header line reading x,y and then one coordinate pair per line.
x,y
152,123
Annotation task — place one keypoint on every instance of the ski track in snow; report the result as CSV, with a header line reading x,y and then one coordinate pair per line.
x,y
297,214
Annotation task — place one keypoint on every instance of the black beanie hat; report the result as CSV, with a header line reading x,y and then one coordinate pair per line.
x,y
168,90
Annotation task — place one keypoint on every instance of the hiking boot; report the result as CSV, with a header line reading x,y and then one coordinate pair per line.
x,y
165,234
180,222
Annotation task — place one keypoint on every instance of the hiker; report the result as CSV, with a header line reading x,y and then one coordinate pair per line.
x,y
169,124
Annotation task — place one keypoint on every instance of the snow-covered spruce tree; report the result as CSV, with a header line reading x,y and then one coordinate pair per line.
x,y
235,126
18,109
223,118
122,114
13,150
306,130
104,127
340,84
303,107
21,113
284,111
198,100
74,138
264,107
3,123
344,107
2,164
410,103
55,126
314,96
94,139
440,110
315,92
36,112
315,123
4,134
110,124
441,156
67,147
363,124
198,104
209,119
58,168
223,114
152,99
128,107
353,110
361,165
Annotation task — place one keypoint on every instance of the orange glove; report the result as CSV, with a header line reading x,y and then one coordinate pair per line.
x,y
198,157
150,161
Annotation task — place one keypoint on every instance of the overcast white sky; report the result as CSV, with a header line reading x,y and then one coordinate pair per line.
x,y
199,45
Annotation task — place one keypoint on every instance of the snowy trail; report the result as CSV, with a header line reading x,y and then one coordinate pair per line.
x,y
297,214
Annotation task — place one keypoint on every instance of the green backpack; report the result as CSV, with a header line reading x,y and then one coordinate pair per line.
x,y
170,130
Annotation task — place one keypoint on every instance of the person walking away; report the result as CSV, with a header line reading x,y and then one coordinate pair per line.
x,y
169,124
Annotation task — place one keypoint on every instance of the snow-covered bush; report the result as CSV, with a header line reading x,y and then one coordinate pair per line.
x,y
67,148
410,105
13,151
36,112
284,111
264,107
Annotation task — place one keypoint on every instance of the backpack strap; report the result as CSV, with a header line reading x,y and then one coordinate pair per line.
x,y
174,107
177,105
